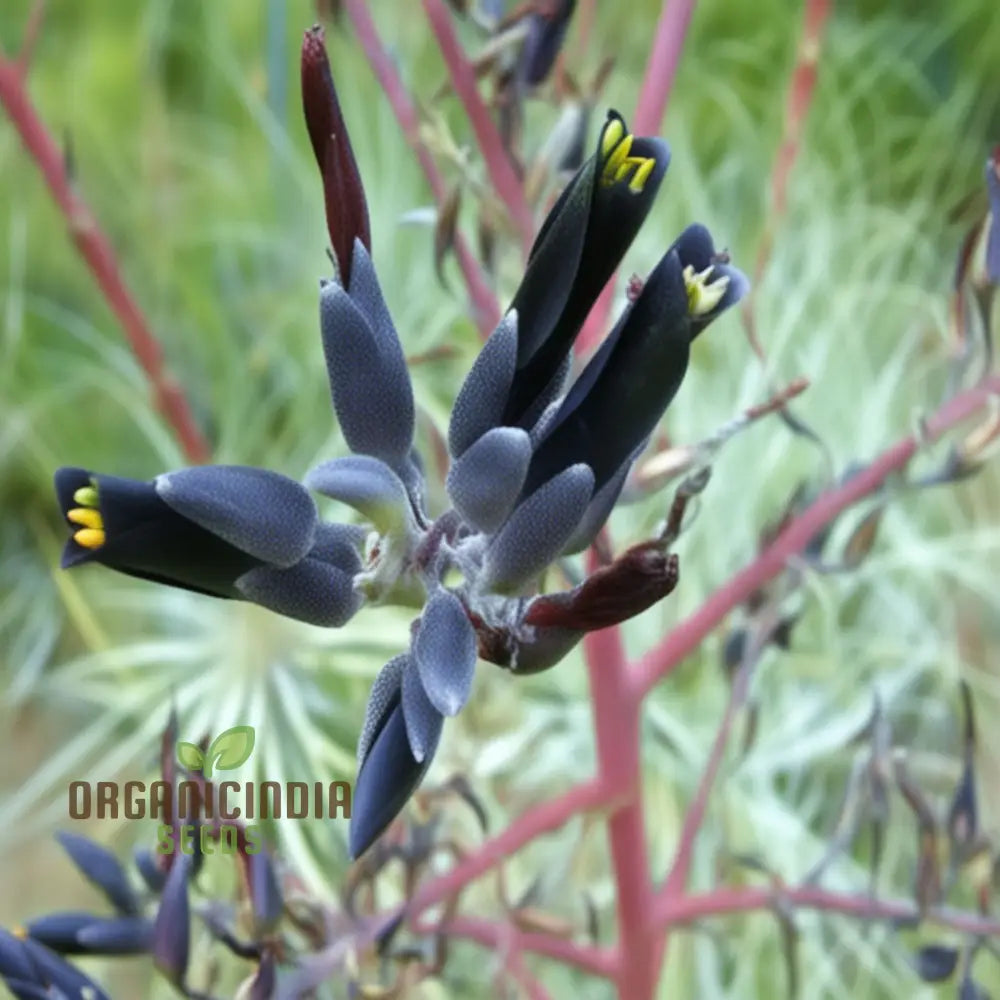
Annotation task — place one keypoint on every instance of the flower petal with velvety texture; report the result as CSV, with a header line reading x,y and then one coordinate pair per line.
x,y
369,382
339,545
262,513
381,700
598,511
538,530
480,402
367,485
485,482
445,651
388,777
423,721
311,591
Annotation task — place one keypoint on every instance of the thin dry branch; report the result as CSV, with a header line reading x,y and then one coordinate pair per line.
x,y
97,253
498,164
686,637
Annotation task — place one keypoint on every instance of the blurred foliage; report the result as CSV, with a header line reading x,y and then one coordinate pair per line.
x,y
185,129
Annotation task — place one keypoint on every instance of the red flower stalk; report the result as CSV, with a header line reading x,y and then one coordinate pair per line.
x,y
346,207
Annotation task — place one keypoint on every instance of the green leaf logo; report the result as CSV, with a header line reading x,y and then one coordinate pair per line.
x,y
190,756
229,750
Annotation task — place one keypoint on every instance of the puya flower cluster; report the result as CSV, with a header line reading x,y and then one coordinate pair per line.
x,y
152,914
536,464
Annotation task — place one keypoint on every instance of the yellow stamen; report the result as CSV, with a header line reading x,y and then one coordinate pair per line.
x,y
89,538
641,175
703,296
616,159
624,169
86,496
87,517
21,933
614,132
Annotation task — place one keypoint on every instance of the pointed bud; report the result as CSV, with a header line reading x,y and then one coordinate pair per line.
x,y
936,962
635,581
102,868
346,208
172,930
546,32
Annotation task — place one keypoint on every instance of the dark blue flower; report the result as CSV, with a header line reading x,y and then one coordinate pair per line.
x,y
545,33
227,531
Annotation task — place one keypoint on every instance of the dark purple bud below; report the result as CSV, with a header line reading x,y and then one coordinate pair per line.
x,y
936,963
546,33
102,868
172,930
265,890
61,978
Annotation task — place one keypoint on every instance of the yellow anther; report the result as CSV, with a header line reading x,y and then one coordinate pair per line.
x,y
702,296
614,132
89,538
87,517
21,933
641,175
86,496
616,160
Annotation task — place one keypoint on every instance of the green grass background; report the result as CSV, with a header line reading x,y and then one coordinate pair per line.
x,y
185,127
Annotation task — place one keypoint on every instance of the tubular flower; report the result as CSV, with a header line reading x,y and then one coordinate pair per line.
x,y
535,470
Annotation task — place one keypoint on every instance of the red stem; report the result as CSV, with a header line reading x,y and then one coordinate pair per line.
x,y
518,973
617,694
97,253
592,960
801,88
617,727
695,815
657,83
661,67
32,29
486,310
671,911
502,173
539,820
683,640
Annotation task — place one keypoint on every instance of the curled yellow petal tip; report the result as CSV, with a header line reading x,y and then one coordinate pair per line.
x,y
89,538
86,496
87,517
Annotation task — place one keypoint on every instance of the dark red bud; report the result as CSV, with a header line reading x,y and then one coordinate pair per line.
x,y
635,581
346,208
